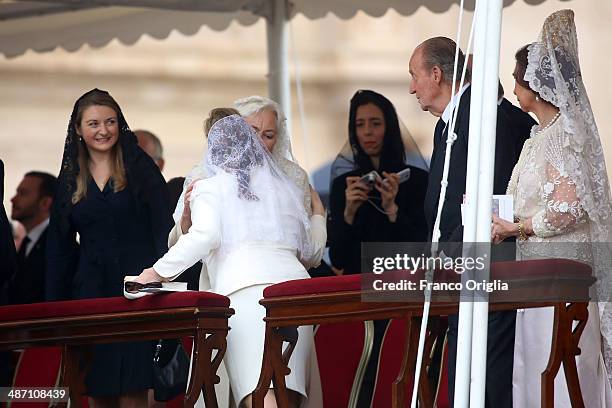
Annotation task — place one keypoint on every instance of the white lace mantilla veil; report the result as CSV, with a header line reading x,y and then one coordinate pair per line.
x,y
554,72
259,202
282,152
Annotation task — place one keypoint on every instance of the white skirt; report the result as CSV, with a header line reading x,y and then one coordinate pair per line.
x,y
531,351
245,345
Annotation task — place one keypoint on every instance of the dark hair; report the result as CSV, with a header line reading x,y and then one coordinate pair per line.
x,y
393,153
522,60
48,183
440,52
521,57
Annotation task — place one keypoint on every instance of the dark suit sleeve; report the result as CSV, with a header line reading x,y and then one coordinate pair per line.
x,y
8,254
62,260
28,284
506,154
456,191
521,123
160,216
505,158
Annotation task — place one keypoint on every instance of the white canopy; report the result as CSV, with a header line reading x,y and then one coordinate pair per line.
x,y
44,25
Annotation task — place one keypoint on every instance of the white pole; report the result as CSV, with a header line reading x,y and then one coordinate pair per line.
x,y
466,305
279,82
451,136
487,59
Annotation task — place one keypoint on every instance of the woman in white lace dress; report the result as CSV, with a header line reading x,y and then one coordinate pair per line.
x,y
562,209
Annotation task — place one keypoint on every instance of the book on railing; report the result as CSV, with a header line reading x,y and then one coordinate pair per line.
x,y
132,287
167,287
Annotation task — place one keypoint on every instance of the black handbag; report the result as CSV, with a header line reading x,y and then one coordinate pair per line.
x,y
170,369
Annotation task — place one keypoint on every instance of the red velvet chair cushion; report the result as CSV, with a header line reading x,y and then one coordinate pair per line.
x,y
338,359
37,367
111,305
390,363
540,268
536,269
325,284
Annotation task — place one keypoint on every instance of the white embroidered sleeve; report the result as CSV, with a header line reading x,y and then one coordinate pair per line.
x,y
562,209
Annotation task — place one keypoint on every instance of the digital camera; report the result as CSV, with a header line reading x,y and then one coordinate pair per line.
x,y
370,178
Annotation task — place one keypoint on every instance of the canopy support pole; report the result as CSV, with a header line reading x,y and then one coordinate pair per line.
x,y
277,33
479,191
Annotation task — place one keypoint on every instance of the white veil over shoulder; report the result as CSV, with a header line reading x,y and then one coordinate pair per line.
x,y
259,202
282,152
553,71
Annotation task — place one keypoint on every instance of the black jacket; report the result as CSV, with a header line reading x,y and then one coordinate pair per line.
x,y
28,284
7,245
521,123
371,225
507,152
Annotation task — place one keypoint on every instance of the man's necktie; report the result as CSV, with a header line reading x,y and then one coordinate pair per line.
x,y
21,254
439,132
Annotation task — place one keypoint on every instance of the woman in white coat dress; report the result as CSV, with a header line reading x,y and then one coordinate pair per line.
x,y
250,228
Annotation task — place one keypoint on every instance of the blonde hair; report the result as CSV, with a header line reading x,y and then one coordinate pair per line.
x,y
215,114
117,165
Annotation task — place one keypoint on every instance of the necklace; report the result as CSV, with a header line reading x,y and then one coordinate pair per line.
x,y
549,124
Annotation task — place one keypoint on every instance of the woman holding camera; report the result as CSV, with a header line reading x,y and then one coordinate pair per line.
x,y
376,207
369,204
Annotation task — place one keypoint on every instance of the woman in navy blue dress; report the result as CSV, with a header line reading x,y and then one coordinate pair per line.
x,y
113,195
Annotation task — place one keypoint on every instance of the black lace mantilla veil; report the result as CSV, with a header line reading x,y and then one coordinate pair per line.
x,y
142,174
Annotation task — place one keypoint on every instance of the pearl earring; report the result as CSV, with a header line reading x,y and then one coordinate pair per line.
x,y
537,98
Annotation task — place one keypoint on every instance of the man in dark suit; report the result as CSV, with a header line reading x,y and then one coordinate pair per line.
x,y
431,68
7,245
7,270
31,206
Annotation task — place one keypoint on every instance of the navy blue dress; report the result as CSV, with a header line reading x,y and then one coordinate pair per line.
x,y
118,237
